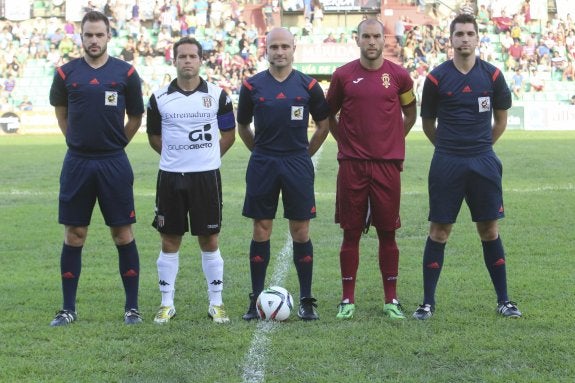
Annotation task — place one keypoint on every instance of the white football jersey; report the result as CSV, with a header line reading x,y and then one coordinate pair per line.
x,y
189,123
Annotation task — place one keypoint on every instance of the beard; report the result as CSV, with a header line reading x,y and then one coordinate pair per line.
x,y
280,62
372,55
186,75
99,54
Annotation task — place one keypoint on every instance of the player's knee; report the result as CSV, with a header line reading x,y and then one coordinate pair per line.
x,y
490,235
299,231
208,242
488,231
386,235
262,230
122,235
75,235
439,232
351,237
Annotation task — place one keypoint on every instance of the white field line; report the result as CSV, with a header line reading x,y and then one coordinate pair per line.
x,y
152,193
255,362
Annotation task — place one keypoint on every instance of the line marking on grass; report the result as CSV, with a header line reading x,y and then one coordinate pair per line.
x,y
255,362
254,368
152,193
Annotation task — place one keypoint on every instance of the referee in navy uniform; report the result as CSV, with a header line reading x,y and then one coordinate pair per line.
x,y
280,101
92,95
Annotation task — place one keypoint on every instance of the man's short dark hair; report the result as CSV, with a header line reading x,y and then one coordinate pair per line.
x,y
463,18
188,40
95,16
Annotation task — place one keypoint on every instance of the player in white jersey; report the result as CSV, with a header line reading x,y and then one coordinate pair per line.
x,y
191,124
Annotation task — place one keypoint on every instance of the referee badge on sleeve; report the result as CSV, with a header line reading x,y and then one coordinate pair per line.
x,y
297,113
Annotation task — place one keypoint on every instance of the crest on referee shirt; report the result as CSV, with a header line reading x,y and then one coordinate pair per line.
x,y
207,101
385,80
111,98
297,113
484,104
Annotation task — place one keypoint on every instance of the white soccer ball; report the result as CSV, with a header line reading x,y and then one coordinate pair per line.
x,y
274,303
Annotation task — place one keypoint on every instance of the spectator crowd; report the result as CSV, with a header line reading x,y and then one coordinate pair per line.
x,y
231,46
529,52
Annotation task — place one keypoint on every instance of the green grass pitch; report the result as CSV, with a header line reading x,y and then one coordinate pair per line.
x,y
463,342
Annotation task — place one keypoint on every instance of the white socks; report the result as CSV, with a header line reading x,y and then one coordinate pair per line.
x,y
213,267
168,265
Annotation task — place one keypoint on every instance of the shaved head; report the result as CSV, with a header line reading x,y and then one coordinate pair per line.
x,y
369,22
280,47
279,33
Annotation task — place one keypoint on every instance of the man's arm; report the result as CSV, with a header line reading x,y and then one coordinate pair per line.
x,y
155,141
132,126
409,116
334,99
227,139
62,118
319,136
499,123
333,125
429,128
247,135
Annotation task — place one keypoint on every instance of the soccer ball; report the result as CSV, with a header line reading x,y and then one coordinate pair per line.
x,y
274,303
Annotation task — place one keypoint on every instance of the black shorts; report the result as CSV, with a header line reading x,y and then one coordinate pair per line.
x,y
189,201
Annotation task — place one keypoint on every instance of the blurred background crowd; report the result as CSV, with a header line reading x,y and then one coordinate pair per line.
x,y
531,53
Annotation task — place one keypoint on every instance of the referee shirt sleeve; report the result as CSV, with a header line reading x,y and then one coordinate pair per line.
x,y
134,98
318,106
430,97
501,94
58,92
153,118
245,104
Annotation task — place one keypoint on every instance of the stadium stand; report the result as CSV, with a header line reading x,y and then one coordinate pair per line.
x,y
234,39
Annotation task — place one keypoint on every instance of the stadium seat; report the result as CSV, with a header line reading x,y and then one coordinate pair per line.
x,y
528,97
200,35
563,97
535,28
295,30
539,96
39,9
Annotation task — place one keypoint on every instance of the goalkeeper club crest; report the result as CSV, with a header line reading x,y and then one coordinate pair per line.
x,y
385,80
207,102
